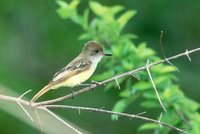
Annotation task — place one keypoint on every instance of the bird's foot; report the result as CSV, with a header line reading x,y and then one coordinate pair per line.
x,y
72,92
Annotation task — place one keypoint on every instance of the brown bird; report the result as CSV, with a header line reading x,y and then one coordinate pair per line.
x,y
77,71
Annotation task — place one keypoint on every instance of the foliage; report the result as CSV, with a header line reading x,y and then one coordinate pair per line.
x,y
105,24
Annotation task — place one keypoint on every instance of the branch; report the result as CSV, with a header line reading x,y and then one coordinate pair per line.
x,y
93,86
26,103
118,114
61,120
44,104
44,107
154,86
163,52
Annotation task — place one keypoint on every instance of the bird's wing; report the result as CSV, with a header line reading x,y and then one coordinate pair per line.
x,y
77,65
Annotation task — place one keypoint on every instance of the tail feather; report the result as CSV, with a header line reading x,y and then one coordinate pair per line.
x,y
40,93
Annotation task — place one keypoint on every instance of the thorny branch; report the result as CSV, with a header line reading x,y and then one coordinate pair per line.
x,y
154,86
163,52
93,86
45,108
46,104
130,116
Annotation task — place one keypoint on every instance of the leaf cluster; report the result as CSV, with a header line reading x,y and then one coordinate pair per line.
x,y
105,24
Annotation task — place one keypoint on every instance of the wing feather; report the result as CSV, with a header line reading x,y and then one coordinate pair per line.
x,y
75,65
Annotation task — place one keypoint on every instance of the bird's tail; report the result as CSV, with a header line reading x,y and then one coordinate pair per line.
x,y
40,93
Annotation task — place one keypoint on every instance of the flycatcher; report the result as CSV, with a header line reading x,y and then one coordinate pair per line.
x,y
77,71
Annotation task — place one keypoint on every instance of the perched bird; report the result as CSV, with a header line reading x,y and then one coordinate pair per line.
x,y
77,71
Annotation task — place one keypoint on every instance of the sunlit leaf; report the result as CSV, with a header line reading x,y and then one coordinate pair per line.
x,y
85,36
148,126
124,18
120,106
150,104
142,85
74,4
62,3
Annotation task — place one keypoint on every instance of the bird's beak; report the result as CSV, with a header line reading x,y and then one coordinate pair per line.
x,y
107,54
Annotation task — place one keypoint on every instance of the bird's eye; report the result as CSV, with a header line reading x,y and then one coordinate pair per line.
x,y
96,51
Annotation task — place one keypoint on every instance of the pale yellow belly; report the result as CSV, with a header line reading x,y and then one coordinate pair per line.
x,y
76,79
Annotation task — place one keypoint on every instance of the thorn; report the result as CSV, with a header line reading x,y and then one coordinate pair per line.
x,y
135,76
141,113
39,121
101,108
24,94
25,111
160,120
188,56
116,117
154,86
163,52
117,84
79,111
172,64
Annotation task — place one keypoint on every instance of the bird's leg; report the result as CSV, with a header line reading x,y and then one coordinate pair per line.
x,y
72,92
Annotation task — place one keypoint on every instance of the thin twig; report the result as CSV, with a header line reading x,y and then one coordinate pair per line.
x,y
24,94
61,120
154,86
93,86
163,52
135,77
25,111
161,45
116,113
160,119
40,105
117,84
18,102
43,107
39,121
188,56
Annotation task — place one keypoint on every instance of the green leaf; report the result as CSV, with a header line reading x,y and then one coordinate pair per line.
x,y
85,19
150,95
121,105
195,123
172,93
124,18
142,85
64,11
186,104
171,117
115,9
62,3
74,4
127,65
150,104
144,52
148,126
85,36
167,69
125,93
69,11
97,8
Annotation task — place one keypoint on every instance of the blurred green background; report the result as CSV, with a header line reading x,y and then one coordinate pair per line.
x,y
35,43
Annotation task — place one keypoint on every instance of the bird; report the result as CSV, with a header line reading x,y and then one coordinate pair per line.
x,y
77,71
